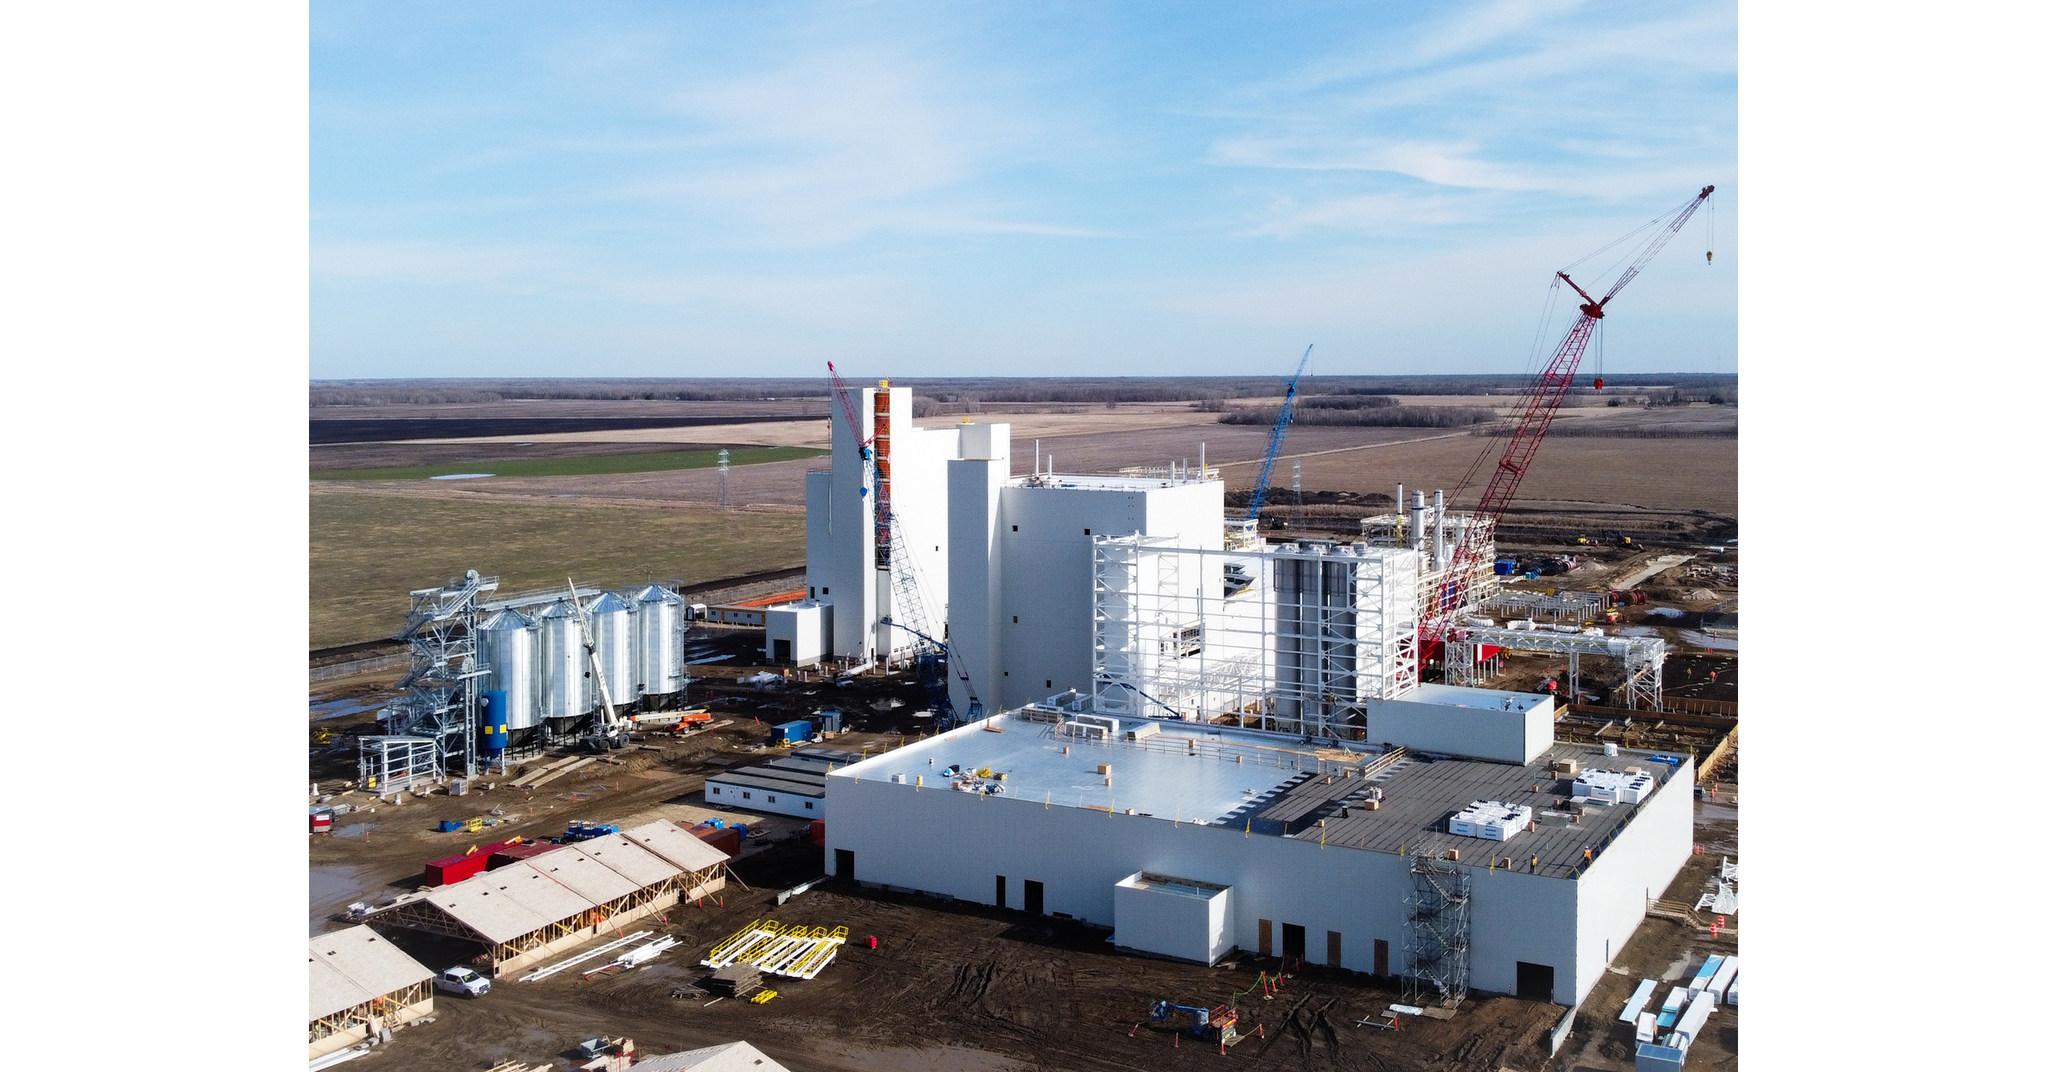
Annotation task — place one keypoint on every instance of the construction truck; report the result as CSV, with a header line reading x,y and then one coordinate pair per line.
x,y
1218,1024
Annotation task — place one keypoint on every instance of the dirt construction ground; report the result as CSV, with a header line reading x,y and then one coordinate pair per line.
x,y
947,985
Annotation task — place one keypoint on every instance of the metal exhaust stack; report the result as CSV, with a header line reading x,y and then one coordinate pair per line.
x,y
1440,526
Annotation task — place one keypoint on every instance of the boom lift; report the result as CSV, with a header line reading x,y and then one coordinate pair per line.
x,y
1530,421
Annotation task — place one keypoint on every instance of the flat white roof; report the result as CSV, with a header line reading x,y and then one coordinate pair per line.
x,y
1157,776
1464,696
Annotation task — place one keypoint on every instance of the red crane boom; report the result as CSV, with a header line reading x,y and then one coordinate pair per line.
x,y
1531,421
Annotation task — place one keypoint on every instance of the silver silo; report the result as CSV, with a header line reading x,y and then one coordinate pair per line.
x,y
657,638
611,624
509,638
565,691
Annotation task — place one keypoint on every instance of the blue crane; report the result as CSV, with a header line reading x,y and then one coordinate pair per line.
x,y
931,672
1286,417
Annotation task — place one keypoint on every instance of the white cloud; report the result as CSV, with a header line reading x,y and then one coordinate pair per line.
x,y
1378,213
1519,95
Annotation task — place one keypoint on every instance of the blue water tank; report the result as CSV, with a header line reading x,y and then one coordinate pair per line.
x,y
496,730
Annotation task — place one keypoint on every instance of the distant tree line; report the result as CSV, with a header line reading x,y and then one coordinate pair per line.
x,y
1368,413
968,394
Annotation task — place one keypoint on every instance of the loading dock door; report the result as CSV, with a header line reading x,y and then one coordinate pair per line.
x,y
1535,982
1034,897
845,860
781,651
1264,937
1002,891
1379,957
1335,950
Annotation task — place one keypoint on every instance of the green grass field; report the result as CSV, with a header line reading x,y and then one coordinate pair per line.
x,y
594,465
370,548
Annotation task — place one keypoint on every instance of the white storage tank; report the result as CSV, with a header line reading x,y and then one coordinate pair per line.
x,y
508,640
658,641
611,625
565,691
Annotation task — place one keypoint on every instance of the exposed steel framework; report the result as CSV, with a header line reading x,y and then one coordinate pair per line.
x,y
1531,421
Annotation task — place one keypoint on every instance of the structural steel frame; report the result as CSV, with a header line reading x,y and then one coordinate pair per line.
x,y
1301,656
1641,684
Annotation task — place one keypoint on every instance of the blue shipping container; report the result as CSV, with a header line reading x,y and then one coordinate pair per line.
x,y
790,732
1504,567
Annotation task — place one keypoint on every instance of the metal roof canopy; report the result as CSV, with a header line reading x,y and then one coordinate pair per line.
x,y
356,965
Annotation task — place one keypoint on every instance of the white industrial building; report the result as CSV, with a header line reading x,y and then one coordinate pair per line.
x,y
1120,586
1188,841
1231,747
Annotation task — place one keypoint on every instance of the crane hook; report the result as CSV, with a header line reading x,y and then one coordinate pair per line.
x,y
1709,256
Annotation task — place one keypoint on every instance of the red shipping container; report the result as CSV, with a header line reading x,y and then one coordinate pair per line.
x,y
725,841
514,853
455,868
817,832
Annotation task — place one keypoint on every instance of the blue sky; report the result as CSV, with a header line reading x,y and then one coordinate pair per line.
x,y
924,189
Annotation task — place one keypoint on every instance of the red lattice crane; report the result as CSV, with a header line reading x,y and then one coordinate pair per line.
x,y
1531,421
873,451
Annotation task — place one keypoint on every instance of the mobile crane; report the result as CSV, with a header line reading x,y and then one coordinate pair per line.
x,y
1279,427
610,731
1530,422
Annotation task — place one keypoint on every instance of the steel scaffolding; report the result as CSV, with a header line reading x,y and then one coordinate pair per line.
x,y
1438,942
1293,638
441,697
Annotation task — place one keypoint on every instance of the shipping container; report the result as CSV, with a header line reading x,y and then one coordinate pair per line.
x,y
456,868
790,733
725,841
514,853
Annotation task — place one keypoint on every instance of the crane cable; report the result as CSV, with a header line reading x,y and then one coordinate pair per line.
x,y
1499,434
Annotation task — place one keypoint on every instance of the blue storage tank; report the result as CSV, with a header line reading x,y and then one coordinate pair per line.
x,y
741,827
496,726
715,824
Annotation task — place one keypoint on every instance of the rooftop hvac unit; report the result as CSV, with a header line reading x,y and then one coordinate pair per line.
x,y
1494,820
1083,731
